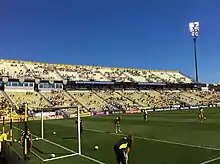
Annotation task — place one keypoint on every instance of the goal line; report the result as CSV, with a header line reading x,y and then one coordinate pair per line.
x,y
71,152
61,157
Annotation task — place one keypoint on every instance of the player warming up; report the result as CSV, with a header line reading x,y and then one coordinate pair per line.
x,y
28,138
117,123
145,114
122,149
3,137
201,115
81,125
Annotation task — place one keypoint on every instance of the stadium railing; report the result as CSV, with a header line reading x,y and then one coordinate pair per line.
x,y
11,156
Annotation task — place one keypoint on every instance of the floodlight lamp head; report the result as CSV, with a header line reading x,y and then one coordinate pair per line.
x,y
194,29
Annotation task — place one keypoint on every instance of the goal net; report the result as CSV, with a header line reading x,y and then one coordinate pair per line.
x,y
55,132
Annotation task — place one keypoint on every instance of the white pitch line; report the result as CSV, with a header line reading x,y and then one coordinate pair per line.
x,y
92,159
37,155
161,141
84,156
211,160
61,157
53,143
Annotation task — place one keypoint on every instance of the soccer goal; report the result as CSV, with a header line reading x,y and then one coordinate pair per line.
x,y
54,132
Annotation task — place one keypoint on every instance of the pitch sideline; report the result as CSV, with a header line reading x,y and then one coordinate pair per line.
x,y
161,141
211,160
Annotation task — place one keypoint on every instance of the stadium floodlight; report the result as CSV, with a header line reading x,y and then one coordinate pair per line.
x,y
194,30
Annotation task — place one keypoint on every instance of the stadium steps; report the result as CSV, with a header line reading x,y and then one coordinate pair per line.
x,y
26,67
132,100
45,98
58,73
193,80
130,77
172,77
7,97
77,100
178,100
104,99
188,98
191,97
160,78
105,76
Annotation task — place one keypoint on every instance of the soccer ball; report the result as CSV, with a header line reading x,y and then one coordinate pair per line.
x,y
54,133
52,156
36,139
96,147
204,118
15,140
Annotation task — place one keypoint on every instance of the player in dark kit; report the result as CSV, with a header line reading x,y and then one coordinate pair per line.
x,y
122,149
117,122
28,138
145,113
81,125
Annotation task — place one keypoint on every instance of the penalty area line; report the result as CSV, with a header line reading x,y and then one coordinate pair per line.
x,y
91,159
211,160
61,157
75,153
35,154
161,141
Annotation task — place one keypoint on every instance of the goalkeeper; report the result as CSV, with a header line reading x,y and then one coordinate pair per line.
x,y
29,144
122,149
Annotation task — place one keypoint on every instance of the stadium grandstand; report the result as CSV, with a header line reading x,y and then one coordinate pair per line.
x,y
95,90
98,88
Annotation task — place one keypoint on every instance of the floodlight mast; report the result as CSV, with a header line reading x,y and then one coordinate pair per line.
x,y
194,30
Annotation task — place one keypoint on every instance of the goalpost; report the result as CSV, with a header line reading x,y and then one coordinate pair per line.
x,y
51,113
78,120
53,144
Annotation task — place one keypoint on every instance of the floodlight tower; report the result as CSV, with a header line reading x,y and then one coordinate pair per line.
x,y
194,30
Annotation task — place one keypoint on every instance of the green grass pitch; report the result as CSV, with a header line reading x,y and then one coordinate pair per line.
x,y
170,137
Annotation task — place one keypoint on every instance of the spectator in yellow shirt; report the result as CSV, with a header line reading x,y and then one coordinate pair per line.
x,y
3,137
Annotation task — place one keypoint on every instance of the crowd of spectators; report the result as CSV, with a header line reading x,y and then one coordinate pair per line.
x,y
15,70
108,100
58,98
81,73
45,71
4,105
33,99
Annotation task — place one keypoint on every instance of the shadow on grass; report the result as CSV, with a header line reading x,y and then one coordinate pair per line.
x,y
40,151
70,138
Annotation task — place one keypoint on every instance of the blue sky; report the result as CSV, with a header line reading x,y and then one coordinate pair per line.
x,y
151,34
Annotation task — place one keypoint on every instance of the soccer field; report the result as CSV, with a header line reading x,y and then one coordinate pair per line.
x,y
169,137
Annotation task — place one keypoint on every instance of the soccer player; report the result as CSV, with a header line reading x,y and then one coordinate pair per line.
x,y
81,125
29,143
201,115
3,137
122,149
145,115
117,122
